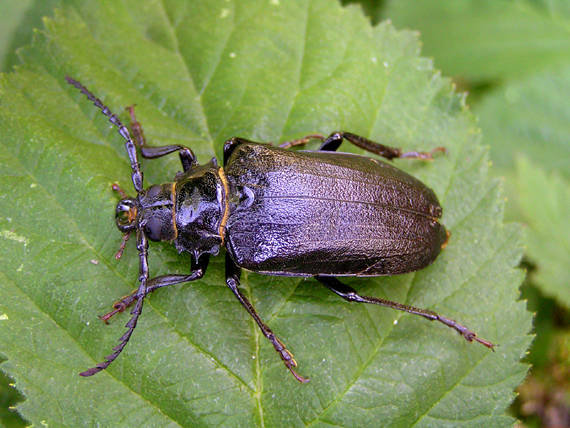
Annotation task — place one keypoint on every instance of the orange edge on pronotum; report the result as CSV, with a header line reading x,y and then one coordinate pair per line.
x,y
173,193
225,215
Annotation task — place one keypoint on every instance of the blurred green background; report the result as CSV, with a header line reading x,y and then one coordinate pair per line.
x,y
512,58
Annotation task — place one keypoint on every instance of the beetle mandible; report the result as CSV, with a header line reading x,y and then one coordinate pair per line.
x,y
319,214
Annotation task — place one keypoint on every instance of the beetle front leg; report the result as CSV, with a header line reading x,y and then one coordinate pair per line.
x,y
187,156
334,140
232,280
350,294
198,271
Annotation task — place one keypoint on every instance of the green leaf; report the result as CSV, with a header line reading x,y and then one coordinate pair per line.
x,y
482,40
201,72
544,204
531,118
18,18
8,397
11,13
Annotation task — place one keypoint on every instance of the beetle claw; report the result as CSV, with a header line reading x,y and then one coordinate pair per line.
x,y
301,141
484,342
119,252
300,378
290,362
426,156
105,318
288,359
439,149
470,337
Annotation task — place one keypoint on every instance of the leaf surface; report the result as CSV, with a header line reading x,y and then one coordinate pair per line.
x,y
201,72
488,40
544,204
528,123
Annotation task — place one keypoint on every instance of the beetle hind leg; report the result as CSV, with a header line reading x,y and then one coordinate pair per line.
x,y
301,141
334,140
232,280
350,294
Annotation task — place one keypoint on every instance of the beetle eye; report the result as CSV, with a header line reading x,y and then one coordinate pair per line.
x,y
125,215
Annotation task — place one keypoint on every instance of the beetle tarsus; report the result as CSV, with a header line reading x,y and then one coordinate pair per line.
x,y
287,357
427,156
136,127
105,318
469,335
119,252
297,376
119,306
301,141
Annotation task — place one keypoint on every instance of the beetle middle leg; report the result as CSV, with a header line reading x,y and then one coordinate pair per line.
x,y
187,157
348,293
232,280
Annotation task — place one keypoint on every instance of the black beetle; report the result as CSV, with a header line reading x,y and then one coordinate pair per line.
x,y
316,214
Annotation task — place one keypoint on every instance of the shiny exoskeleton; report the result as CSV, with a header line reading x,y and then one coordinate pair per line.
x,y
276,211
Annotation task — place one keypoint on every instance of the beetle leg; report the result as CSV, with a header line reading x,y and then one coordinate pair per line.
x,y
350,294
232,280
130,146
334,140
198,271
187,157
231,144
301,141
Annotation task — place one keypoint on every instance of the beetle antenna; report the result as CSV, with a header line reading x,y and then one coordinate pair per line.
x,y
142,246
142,242
129,144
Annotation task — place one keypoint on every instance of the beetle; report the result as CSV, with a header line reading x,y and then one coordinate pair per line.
x,y
320,214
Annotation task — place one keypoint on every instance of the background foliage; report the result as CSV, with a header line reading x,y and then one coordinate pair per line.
x,y
415,372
